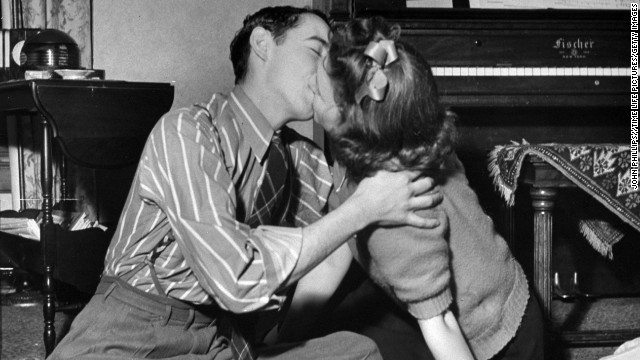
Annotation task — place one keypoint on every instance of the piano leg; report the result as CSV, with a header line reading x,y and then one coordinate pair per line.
x,y
543,200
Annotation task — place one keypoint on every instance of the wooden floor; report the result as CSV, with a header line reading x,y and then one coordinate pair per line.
x,y
21,330
615,313
21,334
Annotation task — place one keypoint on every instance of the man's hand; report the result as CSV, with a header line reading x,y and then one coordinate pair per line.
x,y
386,199
392,198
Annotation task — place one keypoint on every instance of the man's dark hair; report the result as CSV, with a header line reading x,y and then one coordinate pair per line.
x,y
277,20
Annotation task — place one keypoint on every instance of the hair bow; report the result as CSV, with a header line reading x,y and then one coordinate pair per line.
x,y
383,53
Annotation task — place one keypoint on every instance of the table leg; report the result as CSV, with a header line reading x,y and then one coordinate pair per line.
x,y
543,200
47,238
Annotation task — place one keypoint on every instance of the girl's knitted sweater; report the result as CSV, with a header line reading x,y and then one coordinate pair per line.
x,y
463,264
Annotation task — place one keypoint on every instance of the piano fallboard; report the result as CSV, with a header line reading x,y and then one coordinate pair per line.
x,y
513,91
539,45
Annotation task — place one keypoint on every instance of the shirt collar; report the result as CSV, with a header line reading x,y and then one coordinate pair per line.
x,y
255,127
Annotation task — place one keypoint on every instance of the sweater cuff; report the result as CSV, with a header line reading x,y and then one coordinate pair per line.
x,y
428,308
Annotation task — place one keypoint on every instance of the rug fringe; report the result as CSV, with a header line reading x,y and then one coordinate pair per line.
x,y
494,171
600,246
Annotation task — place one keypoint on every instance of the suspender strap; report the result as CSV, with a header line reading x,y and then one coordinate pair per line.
x,y
154,277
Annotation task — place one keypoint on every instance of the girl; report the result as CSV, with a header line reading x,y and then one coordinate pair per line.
x,y
377,99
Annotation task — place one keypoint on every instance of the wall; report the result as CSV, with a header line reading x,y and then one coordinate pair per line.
x,y
185,42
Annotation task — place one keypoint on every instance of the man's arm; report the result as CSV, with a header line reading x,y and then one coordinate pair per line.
x,y
385,199
316,287
312,292
242,269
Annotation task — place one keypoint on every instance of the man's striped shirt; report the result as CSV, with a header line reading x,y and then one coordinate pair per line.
x,y
194,188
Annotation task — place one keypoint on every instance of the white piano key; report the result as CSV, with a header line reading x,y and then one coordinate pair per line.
x,y
529,71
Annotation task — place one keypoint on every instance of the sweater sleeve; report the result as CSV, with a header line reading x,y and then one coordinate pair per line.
x,y
410,264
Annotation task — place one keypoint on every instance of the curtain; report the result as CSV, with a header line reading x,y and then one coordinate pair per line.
x,y
70,16
74,18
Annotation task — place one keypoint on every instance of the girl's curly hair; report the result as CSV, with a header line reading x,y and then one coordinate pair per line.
x,y
408,129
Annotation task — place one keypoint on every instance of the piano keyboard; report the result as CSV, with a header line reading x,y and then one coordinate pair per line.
x,y
530,71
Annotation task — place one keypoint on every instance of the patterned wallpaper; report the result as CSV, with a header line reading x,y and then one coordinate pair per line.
x,y
70,16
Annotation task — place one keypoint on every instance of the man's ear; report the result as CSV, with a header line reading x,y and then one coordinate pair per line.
x,y
260,40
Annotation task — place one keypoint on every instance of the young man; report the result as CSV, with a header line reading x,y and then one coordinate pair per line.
x,y
194,244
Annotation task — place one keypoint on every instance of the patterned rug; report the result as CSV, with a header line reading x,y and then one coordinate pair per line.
x,y
604,171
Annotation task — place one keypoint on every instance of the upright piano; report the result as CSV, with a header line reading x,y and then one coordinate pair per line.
x,y
538,75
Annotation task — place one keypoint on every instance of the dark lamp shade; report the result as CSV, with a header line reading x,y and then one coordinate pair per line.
x,y
50,49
